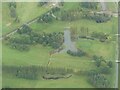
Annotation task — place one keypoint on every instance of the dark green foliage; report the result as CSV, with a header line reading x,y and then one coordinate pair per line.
x,y
89,5
47,17
110,64
62,3
27,37
13,13
98,60
98,80
101,36
101,18
55,9
53,39
42,3
25,30
21,42
22,39
27,73
79,53
34,72
12,4
104,70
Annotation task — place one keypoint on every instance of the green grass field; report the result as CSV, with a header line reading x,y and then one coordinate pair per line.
x,y
38,55
25,11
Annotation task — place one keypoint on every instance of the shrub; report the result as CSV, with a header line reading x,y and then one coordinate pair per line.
x,y
98,80
110,64
79,53
89,5
25,30
101,36
32,72
104,70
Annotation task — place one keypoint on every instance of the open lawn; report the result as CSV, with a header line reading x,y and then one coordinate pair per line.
x,y
26,11
95,47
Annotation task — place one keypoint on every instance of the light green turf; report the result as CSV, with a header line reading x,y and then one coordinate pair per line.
x,y
26,11
95,47
38,55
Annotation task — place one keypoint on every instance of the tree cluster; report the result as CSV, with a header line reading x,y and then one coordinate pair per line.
x,y
47,17
103,68
98,80
27,37
89,5
79,53
34,72
20,43
55,40
100,18
13,13
100,35
42,3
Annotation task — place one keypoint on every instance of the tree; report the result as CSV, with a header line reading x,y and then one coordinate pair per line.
x,y
104,70
110,64
100,35
13,13
74,33
89,5
42,3
79,53
12,4
25,30
98,80
97,60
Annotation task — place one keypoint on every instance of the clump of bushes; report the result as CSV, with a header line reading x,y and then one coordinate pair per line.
x,y
35,72
20,43
89,5
97,76
42,3
98,80
55,40
27,37
100,35
104,70
13,12
79,53
25,30
47,17
101,18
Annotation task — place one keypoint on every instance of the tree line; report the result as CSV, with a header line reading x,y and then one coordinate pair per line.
x,y
13,13
35,72
27,37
